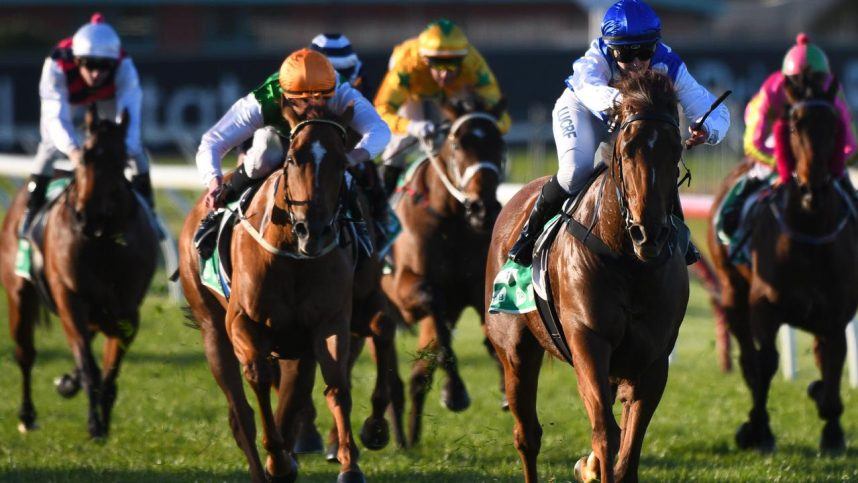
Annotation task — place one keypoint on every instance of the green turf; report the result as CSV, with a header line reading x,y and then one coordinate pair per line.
x,y
170,420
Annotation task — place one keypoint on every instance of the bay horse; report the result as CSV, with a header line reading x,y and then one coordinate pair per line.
x,y
619,310
290,301
99,253
447,210
803,246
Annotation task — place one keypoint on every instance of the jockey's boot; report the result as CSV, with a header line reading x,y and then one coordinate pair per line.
x,y
142,184
692,254
731,213
548,203
356,210
37,188
391,178
206,235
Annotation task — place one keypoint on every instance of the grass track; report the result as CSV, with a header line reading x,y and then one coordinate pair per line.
x,y
170,419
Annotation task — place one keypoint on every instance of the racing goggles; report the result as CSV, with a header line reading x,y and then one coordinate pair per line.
x,y
445,63
96,63
628,53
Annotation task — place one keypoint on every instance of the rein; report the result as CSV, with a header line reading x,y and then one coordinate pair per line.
x,y
257,235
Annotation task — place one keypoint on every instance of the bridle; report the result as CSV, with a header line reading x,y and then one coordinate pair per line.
x,y
460,180
620,185
260,239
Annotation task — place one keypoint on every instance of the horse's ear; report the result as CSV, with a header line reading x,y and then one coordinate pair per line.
x,y
91,117
125,120
289,114
499,108
833,88
349,113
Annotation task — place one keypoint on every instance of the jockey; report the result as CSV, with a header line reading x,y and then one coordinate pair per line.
x,y
766,107
339,52
89,68
439,63
631,41
305,77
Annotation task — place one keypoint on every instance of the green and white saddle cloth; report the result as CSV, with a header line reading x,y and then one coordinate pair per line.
x,y
24,256
512,290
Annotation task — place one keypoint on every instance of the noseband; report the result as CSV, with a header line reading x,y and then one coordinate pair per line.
x,y
620,185
461,179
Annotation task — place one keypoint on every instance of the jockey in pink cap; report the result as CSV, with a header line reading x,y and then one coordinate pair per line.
x,y
761,116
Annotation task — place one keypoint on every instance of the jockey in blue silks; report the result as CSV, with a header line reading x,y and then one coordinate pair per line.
x,y
630,41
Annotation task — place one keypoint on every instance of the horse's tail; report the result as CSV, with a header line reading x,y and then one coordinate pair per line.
x,y
706,275
190,320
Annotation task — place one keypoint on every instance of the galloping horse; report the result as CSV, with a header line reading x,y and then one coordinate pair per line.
x,y
99,252
803,247
447,209
291,298
620,309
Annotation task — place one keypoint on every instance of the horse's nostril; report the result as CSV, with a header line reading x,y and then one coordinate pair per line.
x,y
301,230
638,234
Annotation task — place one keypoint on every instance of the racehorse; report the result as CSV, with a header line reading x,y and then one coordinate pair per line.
x,y
99,250
620,307
803,267
447,209
291,297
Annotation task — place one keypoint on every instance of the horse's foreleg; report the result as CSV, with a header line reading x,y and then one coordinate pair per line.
x,y
252,349
225,369
454,394
759,360
592,355
521,377
115,348
355,346
375,433
332,354
425,362
294,394
23,311
641,400
397,399
831,354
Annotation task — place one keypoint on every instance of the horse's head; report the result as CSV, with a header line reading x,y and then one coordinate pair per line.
x,y
313,175
103,199
645,160
814,132
474,152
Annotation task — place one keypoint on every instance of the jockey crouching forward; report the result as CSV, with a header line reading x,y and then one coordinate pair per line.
x,y
631,34
768,106
439,63
88,68
305,77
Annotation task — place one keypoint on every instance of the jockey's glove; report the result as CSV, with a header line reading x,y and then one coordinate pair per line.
x,y
421,129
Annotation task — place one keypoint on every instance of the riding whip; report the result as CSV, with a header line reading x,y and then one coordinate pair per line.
x,y
697,125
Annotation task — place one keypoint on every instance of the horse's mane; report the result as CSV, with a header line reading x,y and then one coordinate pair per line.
x,y
647,91
319,112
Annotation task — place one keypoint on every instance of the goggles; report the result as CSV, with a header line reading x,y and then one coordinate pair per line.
x,y
96,63
445,63
628,53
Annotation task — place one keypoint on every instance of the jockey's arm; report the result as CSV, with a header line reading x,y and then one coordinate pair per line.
x,y
486,86
696,100
759,116
55,108
129,96
590,77
850,148
375,134
390,97
238,124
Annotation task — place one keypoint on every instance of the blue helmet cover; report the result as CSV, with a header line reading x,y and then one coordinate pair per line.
x,y
630,22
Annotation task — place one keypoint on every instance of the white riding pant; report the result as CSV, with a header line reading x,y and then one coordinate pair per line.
x,y
47,152
577,134
265,155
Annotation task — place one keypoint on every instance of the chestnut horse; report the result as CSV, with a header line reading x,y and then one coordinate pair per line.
x,y
620,310
291,298
99,255
803,247
447,211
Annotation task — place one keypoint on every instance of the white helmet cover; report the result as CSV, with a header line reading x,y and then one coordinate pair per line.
x,y
96,40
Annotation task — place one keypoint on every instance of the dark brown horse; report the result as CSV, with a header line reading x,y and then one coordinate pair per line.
x,y
447,212
620,311
291,298
803,271
99,252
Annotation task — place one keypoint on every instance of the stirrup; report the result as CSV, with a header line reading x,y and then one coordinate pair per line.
x,y
206,235
522,250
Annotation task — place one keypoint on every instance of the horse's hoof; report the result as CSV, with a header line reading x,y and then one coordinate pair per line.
x,y
375,433
814,390
353,476
67,386
833,441
27,419
504,403
455,397
309,441
580,465
749,438
331,453
25,428
289,477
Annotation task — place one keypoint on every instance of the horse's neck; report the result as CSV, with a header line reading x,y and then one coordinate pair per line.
x,y
269,206
440,199
602,203
822,217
